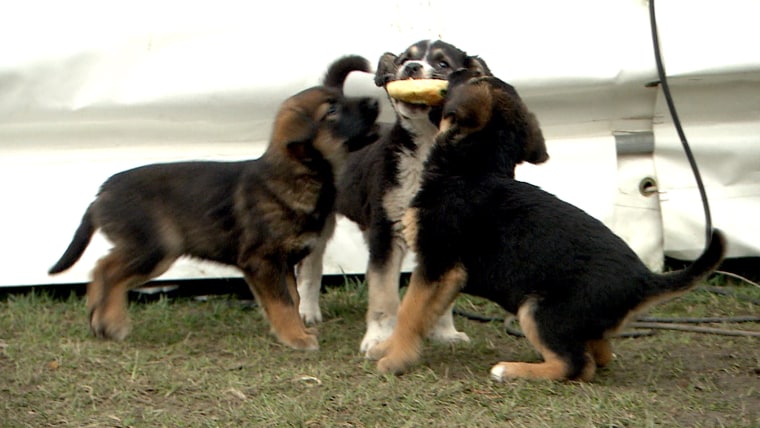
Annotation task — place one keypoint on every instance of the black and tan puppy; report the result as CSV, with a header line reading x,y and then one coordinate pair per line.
x,y
571,281
262,215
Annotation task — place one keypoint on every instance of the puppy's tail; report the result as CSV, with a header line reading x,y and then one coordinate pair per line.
x,y
340,69
78,244
684,279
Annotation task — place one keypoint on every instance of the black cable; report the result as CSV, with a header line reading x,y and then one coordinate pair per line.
x,y
677,122
695,170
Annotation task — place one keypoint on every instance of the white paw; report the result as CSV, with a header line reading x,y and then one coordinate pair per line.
x,y
377,331
449,336
445,331
499,373
310,312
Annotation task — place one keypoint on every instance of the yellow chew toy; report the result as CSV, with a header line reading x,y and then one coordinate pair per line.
x,y
418,91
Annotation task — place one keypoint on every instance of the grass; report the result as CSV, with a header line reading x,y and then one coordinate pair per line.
x,y
212,362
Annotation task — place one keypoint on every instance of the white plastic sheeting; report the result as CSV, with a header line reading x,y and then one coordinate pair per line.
x,y
88,89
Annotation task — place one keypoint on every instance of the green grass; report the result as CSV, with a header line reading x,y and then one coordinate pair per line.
x,y
213,363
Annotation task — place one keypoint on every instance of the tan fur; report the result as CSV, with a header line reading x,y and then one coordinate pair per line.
x,y
552,368
601,351
409,223
261,215
402,349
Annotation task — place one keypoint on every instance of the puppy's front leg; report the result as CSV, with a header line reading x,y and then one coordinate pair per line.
x,y
309,276
274,288
421,307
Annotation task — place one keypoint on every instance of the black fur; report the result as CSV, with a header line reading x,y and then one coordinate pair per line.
x,y
262,216
372,172
518,242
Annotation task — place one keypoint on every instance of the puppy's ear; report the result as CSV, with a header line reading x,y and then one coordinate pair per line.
x,y
476,64
515,111
534,150
292,126
459,77
386,69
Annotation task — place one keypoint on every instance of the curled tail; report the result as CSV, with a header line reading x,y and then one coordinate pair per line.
x,y
78,244
704,265
342,67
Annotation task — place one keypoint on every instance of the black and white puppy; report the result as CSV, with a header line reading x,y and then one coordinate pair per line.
x,y
378,184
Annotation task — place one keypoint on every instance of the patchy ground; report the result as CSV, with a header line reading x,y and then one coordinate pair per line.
x,y
213,363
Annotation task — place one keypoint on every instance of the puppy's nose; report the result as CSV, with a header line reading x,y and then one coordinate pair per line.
x,y
411,69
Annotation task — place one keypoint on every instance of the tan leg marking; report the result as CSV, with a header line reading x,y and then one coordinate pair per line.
x,y
409,223
552,368
423,304
107,302
107,295
601,351
283,315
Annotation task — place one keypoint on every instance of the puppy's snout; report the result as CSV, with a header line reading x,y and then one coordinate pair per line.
x,y
412,69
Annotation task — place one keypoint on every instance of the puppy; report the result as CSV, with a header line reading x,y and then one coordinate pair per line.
x,y
569,279
378,185
262,215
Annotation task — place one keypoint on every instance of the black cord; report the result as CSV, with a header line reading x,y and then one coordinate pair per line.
x,y
677,122
689,155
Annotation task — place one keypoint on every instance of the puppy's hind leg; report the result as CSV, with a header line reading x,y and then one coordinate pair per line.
x,y
113,276
422,306
601,351
563,358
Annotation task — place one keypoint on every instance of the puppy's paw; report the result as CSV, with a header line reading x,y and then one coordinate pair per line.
x,y
310,315
503,372
377,331
395,355
449,336
307,342
388,365
444,330
378,351
309,311
114,325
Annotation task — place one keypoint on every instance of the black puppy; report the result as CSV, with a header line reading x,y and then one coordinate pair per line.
x,y
570,280
381,180
262,216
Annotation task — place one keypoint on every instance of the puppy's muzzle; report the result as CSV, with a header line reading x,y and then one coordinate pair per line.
x,y
411,70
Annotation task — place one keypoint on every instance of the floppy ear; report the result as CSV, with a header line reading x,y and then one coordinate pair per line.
x,y
292,125
534,150
386,69
534,146
476,64
459,77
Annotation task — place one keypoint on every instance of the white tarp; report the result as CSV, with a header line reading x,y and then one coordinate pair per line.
x,y
91,88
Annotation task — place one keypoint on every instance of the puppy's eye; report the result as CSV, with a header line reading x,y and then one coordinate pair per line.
x,y
443,64
332,109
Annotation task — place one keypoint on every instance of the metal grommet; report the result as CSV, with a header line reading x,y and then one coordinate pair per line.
x,y
648,186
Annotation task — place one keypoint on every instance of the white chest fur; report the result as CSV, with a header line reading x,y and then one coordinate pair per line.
x,y
410,166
